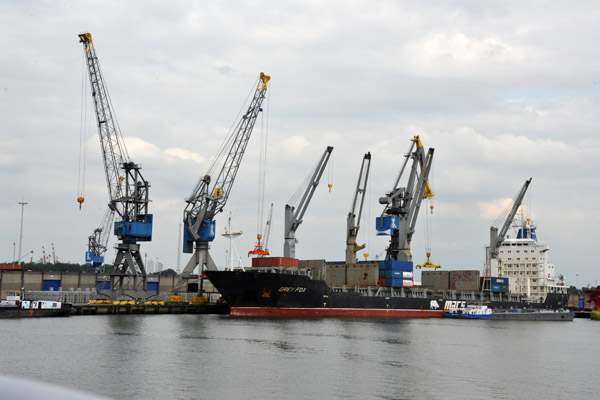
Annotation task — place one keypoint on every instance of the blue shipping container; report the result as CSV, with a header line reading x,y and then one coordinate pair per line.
x,y
152,286
393,274
103,285
500,281
48,285
393,282
399,265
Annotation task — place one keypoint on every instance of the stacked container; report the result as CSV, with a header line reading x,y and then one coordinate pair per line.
x,y
396,273
499,285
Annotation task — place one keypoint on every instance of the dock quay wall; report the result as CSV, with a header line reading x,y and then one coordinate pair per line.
x,y
75,285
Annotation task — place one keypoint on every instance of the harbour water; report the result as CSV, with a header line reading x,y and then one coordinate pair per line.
x,y
223,357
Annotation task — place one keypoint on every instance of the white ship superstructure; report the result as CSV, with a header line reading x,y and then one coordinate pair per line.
x,y
525,262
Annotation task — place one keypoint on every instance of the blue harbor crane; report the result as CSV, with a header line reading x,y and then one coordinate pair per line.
x,y
402,204
98,241
210,195
127,189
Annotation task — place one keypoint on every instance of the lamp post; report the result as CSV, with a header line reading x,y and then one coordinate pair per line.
x,y
14,245
22,203
577,280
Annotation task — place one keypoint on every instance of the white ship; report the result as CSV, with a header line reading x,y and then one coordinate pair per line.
x,y
525,263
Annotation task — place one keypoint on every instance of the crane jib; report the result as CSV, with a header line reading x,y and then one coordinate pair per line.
x,y
204,204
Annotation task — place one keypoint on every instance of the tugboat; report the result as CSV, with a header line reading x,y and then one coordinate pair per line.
x,y
15,307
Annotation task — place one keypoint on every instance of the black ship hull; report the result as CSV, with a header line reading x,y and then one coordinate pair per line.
x,y
17,312
260,294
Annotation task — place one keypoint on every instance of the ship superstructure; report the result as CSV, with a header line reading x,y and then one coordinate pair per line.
x,y
525,262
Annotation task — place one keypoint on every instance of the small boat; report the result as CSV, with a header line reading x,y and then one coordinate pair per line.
x,y
472,311
15,307
480,311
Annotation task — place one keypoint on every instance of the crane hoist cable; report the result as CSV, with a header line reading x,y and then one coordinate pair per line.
x,y
83,138
260,246
330,176
264,135
427,219
226,145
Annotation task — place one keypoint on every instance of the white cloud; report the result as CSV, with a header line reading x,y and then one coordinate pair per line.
x,y
184,155
503,91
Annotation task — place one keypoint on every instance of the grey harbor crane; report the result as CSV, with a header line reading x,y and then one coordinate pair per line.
x,y
210,196
497,236
128,190
295,212
353,220
402,204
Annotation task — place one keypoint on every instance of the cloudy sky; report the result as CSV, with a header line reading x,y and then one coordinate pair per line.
x,y
503,91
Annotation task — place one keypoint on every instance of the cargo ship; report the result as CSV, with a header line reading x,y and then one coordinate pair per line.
x,y
288,287
311,288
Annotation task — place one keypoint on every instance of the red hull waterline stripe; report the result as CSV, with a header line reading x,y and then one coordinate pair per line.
x,y
334,312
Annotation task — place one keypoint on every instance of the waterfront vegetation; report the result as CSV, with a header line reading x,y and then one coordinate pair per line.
x,y
71,267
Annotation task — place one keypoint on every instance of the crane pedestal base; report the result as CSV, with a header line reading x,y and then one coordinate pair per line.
x,y
128,266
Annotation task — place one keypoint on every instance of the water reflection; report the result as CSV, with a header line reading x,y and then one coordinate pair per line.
x,y
208,356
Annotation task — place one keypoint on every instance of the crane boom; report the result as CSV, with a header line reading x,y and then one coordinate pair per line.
x,y
267,234
497,237
402,204
98,241
206,200
128,190
353,222
114,153
293,216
